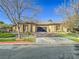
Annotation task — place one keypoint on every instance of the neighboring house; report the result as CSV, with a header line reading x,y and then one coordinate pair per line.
x,y
1,27
39,27
4,28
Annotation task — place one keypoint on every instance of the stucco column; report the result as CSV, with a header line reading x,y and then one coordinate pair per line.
x,y
21,28
14,28
47,28
61,28
29,27
25,28
50,28
33,28
53,29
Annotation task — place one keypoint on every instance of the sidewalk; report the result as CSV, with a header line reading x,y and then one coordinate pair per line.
x,y
43,41
15,43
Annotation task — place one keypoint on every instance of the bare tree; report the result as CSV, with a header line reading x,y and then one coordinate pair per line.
x,y
72,20
71,13
15,9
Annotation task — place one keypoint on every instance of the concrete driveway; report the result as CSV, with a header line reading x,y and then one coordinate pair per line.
x,y
53,40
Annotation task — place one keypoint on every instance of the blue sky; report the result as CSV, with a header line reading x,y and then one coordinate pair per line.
x,y
48,11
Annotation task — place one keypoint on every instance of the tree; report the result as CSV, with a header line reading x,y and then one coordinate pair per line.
x,y
71,13
1,22
72,20
15,10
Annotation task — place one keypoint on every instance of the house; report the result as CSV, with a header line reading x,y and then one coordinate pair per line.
x,y
5,28
49,27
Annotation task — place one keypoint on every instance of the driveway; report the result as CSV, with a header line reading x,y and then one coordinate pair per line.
x,y
53,40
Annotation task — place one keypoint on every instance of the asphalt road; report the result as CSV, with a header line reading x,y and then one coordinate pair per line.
x,y
38,52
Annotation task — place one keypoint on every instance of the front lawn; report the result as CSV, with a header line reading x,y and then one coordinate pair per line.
x,y
29,39
7,35
7,40
26,39
72,36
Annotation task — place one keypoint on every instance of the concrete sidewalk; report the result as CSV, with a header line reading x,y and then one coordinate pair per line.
x,y
43,41
14,43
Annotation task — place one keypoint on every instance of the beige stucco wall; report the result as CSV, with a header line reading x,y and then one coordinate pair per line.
x,y
26,28
50,28
29,27
21,28
64,29
33,28
14,28
53,28
61,28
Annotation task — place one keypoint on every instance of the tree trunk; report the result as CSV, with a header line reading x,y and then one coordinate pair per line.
x,y
18,32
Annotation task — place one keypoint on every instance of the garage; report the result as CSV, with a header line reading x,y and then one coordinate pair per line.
x,y
41,29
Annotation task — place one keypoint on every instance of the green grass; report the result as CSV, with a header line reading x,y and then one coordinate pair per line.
x,y
71,36
14,40
6,35
76,39
7,40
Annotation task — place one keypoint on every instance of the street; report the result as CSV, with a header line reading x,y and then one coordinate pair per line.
x,y
38,52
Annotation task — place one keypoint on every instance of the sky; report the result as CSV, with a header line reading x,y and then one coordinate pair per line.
x,y
48,11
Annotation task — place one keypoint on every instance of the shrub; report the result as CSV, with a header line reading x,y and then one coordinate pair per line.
x,y
29,39
28,33
1,31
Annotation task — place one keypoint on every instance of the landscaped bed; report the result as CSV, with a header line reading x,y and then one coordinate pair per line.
x,y
28,39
